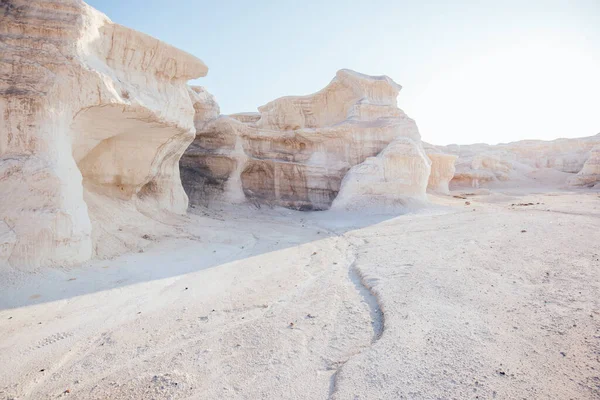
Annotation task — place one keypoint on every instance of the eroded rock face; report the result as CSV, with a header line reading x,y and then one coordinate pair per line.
x,y
528,162
398,176
296,150
590,173
442,169
442,172
88,108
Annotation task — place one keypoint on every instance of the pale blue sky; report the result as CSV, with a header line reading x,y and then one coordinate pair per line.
x,y
472,71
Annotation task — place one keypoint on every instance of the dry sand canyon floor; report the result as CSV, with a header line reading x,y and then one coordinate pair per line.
x,y
497,298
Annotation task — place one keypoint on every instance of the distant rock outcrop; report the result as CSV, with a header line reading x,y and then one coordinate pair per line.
x,y
91,113
527,162
296,150
590,173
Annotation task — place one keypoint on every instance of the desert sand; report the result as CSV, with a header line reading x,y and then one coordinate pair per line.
x,y
498,298
152,248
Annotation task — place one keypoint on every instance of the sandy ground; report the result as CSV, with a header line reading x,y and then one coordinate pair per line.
x,y
485,300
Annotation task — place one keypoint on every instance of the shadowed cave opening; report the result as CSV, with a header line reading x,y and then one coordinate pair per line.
x,y
286,184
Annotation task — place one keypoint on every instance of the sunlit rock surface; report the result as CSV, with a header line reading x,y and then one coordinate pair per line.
x,y
296,150
91,112
589,175
442,169
558,163
396,177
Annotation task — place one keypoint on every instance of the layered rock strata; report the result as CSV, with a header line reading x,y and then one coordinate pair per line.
x,y
526,162
589,175
88,108
296,150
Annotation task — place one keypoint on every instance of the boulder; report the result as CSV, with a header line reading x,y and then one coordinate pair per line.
x,y
396,177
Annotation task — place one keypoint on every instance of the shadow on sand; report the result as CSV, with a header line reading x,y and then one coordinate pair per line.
x,y
210,239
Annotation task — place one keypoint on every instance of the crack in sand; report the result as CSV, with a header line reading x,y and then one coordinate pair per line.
x,y
371,298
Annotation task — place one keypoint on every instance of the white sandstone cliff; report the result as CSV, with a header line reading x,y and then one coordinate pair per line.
x,y
296,150
528,162
91,113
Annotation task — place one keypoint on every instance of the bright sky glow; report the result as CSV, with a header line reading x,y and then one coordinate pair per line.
x,y
471,71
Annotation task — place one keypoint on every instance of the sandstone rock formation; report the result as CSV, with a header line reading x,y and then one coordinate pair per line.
x,y
527,162
590,172
295,151
397,176
92,112
442,169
